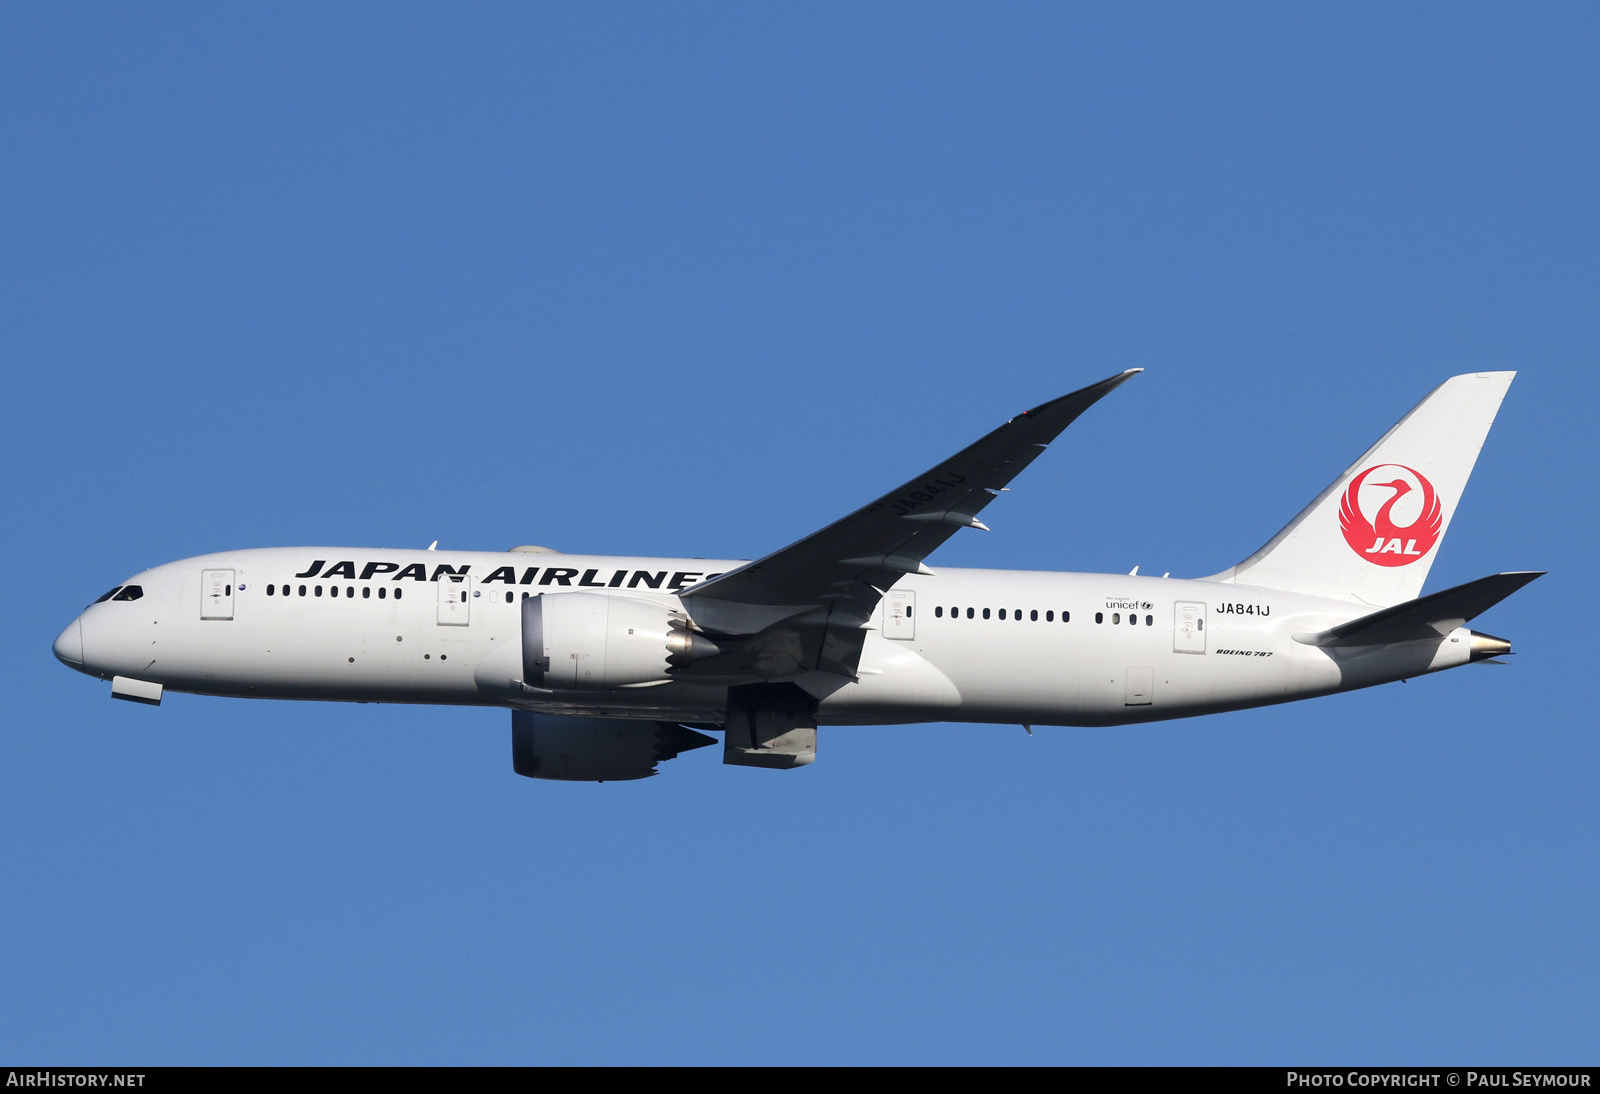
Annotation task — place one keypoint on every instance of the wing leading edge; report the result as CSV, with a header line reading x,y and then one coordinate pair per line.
x,y
833,579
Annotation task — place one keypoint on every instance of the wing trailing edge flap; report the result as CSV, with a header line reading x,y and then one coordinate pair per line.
x,y
829,583
1431,616
811,643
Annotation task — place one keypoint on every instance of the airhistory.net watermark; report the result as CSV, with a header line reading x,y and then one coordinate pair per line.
x,y
40,1077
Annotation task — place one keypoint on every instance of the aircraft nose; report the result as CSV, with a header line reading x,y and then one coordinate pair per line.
x,y
69,645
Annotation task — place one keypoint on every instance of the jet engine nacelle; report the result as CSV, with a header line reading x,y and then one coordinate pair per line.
x,y
594,640
546,746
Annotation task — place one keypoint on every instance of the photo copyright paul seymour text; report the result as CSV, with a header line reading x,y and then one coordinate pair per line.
x,y
1472,1079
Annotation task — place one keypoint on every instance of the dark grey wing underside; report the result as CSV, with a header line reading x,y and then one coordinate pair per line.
x,y
1427,617
833,579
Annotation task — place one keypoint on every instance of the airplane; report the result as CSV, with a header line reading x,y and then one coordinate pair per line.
x,y
612,665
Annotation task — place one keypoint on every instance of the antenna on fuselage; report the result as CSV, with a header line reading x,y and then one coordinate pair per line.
x,y
432,545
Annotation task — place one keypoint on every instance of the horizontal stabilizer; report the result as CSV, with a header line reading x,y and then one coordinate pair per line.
x,y
1431,616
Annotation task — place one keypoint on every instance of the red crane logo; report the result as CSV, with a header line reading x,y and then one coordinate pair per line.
x,y
1380,540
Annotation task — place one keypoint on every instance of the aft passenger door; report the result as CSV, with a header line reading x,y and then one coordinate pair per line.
x,y
1189,628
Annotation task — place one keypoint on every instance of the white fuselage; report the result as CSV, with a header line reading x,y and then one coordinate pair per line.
x,y
373,625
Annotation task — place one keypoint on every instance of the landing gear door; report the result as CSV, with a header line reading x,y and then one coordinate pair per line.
x,y
455,600
216,594
899,609
1189,628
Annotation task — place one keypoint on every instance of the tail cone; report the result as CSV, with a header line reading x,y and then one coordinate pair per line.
x,y
1485,646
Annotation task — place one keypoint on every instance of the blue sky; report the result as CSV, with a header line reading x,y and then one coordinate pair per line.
x,y
696,280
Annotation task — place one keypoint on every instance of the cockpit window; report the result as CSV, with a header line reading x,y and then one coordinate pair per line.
x,y
102,598
129,592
